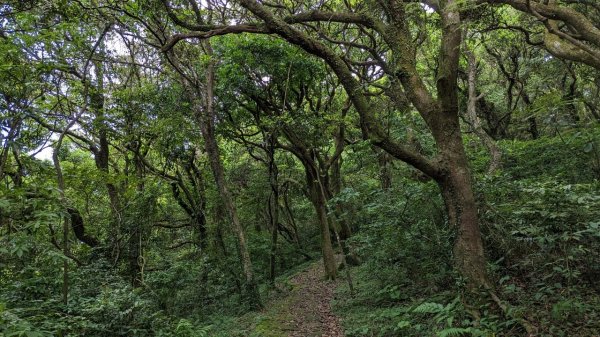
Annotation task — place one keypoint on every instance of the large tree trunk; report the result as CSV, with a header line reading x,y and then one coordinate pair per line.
x,y
457,191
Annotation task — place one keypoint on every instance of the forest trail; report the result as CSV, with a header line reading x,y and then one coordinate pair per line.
x,y
306,311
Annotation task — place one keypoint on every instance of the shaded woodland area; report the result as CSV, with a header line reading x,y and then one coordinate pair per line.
x,y
222,168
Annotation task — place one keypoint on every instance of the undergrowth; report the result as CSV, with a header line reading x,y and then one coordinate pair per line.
x,y
539,218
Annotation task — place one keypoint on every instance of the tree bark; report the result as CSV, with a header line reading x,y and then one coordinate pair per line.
x,y
488,142
273,205
290,216
579,42
14,127
385,170
457,191
60,181
320,204
79,228
135,256
205,115
199,216
102,154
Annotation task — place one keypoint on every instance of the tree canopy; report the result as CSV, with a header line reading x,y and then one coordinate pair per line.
x,y
192,168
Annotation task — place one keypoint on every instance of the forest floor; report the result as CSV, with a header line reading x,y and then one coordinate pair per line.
x,y
305,309
311,306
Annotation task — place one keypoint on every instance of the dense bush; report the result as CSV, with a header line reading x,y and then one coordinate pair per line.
x,y
542,236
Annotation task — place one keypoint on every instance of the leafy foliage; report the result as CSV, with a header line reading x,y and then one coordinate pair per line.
x,y
120,228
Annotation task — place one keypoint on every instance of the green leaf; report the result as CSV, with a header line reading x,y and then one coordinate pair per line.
x,y
429,308
403,324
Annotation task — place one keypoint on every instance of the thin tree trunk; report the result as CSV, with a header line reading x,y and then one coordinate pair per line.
x,y
385,173
320,204
473,119
273,206
12,134
570,93
199,217
136,258
292,221
65,227
533,127
79,228
206,116
344,232
593,110
102,155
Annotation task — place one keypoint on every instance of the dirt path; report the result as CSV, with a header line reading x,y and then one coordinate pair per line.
x,y
305,311
311,309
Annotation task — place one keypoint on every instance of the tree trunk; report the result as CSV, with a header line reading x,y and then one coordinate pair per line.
x,y
79,228
136,259
320,204
199,217
102,155
205,115
570,94
14,127
533,128
473,119
251,289
457,191
344,232
385,173
193,201
61,189
291,220
273,206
